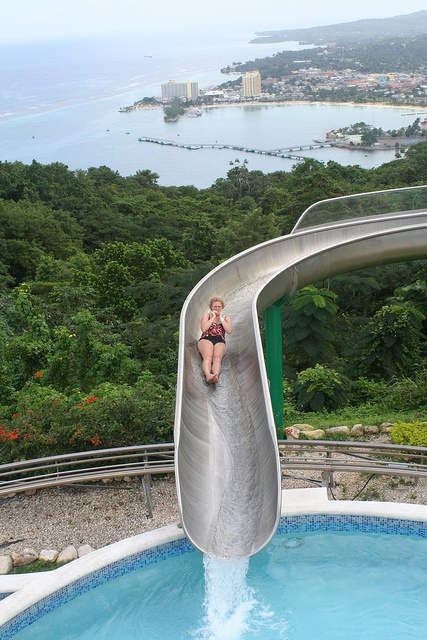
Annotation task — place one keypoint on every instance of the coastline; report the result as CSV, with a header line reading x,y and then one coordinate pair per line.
x,y
284,103
278,103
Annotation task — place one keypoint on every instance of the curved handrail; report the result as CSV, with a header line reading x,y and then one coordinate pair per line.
x,y
227,468
382,202
140,460
84,466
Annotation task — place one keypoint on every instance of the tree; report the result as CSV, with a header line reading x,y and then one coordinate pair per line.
x,y
309,318
251,229
393,342
174,109
369,138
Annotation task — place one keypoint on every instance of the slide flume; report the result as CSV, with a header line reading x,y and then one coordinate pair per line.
x,y
226,455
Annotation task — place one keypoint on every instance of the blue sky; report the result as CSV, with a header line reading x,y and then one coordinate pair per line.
x,y
27,20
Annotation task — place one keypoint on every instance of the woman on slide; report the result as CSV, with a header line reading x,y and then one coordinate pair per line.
x,y
214,325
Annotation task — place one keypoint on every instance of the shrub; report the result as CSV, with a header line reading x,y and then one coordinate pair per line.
x,y
320,388
48,422
394,341
410,433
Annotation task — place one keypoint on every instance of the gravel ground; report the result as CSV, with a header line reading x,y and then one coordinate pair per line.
x,y
69,515
56,518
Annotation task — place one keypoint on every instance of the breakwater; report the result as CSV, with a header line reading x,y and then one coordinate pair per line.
x,y
283,152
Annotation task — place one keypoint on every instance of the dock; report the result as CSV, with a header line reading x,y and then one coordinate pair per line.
x,y
282,152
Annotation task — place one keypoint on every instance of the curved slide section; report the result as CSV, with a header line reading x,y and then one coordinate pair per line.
x,y
226,455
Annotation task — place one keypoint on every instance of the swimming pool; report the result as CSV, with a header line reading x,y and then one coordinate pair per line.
x,y
303,582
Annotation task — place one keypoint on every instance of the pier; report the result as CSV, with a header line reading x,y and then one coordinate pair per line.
x,y
283,152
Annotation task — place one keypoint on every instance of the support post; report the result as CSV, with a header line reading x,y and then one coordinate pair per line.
x,y
147,483
273,357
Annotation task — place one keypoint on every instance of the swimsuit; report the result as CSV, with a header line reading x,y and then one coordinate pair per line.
x,y
215,333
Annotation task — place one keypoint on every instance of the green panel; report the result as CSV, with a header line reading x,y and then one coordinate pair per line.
x,y
273,357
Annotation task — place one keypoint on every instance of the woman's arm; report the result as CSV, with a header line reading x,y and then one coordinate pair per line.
x,y
206,321
226,323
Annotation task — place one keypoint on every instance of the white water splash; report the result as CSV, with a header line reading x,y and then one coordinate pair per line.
x,y
233,608
228,601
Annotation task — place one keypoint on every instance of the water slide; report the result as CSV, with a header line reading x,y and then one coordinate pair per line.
x,y
226,455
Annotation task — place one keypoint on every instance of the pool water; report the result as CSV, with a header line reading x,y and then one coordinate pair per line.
x,y
303,586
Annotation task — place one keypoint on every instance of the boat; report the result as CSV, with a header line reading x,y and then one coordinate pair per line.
x,y
194,113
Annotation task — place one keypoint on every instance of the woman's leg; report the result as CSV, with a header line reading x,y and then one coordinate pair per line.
x,y
218,354
206,349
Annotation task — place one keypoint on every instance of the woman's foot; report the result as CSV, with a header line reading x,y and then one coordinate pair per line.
x,y
215,378
209,378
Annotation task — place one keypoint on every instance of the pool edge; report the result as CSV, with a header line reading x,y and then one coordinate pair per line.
x,y
29,589
34,587
315,501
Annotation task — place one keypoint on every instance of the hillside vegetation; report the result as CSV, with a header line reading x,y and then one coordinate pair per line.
x,y
360,31
95,267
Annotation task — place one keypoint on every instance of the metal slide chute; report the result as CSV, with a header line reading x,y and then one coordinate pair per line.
x,y
226,455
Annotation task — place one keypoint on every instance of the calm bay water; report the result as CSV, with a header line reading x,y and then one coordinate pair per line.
x,y
60,102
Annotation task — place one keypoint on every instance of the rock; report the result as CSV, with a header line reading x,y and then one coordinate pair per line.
x,y
342,429
292,433
84,550
371,430
385,427
6,565
30,492
48,555
26,557
316,434
357,431
303,427
67,555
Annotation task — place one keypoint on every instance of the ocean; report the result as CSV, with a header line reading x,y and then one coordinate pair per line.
x,y
60,102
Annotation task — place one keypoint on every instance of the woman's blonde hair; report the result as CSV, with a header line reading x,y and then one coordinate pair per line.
x,y
216,299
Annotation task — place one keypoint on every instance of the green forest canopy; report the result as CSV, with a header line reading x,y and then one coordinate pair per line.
x,y
95,267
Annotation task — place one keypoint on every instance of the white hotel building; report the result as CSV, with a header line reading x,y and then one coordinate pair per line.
x,y
251,84
173,89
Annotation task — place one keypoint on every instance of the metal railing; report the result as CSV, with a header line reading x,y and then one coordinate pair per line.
x,y
89,466
322,456
328,457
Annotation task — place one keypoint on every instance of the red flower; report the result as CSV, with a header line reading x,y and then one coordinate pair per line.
x,y
96,440
37,374
92,399
14,415
79,404
5,436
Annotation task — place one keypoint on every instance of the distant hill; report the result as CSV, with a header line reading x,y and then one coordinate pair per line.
x,y
360,31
